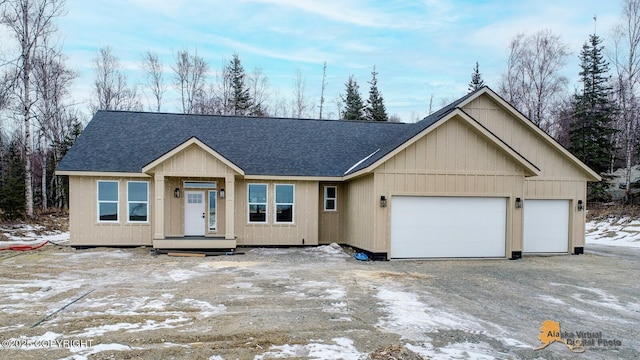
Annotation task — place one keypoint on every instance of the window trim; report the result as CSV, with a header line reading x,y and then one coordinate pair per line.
x,y
326,197
266,205
129,221
276,203
117,202
213,194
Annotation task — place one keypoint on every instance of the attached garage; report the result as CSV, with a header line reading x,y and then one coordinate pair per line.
x,y
546,226
445,227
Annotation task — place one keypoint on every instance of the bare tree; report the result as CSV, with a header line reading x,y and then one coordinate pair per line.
x,y
111,91
190,78
154,79
625,58
533,83
299,104
324,78
30,22
259,92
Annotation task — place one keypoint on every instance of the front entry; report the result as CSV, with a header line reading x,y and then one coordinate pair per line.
x,y
194,213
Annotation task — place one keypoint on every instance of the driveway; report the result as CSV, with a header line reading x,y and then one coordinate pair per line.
x,y
315,303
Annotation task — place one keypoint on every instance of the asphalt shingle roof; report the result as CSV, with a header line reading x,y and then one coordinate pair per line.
x,y
120,141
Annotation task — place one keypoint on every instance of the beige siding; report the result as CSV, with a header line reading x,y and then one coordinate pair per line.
x,y
304,230
330,221
559,178
193,161
452,160
83,215
358,215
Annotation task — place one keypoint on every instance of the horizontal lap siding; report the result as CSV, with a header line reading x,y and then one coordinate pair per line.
x,y
452,160
306,216
559,178
83,215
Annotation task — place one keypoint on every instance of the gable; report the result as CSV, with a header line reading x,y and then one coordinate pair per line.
x,y
453,147
192,158
553,160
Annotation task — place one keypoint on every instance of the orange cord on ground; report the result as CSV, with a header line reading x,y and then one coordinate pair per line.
x,y
24,247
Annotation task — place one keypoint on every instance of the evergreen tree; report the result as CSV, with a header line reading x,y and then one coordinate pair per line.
x,y
12,194
375,110
354,107
591,129
476,79
241,103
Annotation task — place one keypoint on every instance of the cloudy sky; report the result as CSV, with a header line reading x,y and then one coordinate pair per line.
x,y
420,48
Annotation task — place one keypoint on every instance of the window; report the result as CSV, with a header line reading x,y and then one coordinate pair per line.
x,y
199,185
330,198
284,203
138,201
212,210
108,201
257,200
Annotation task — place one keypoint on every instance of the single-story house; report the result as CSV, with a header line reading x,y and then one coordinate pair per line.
x,y
474,179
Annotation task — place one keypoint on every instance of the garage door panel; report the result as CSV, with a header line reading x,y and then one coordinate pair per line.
x,y
546,226
436,227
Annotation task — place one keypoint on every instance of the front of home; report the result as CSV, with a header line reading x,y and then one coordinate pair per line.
x,y
475,179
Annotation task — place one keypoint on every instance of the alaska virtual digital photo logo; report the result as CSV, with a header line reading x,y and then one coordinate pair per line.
x,y
575,341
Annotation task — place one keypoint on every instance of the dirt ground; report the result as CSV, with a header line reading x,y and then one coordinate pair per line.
x,y
317,303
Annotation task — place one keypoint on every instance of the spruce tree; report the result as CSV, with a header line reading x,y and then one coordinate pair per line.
x,y
354,107
375,110
591,128
12,193
241,99
476,79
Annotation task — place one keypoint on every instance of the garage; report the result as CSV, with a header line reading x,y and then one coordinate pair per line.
x,y
546,226
444,227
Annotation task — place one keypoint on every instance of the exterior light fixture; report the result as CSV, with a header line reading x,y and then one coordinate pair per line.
x,y
580,205
176,193
518,203
383,201
221,193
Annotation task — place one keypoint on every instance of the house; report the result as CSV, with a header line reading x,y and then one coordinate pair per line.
x,y
475,179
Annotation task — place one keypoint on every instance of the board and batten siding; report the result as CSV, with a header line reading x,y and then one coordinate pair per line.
x,y
330,221
305,226
83,215
358,215
559,177
451,160
194,162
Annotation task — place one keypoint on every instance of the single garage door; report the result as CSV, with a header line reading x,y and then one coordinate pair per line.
x,y
546,226
439,227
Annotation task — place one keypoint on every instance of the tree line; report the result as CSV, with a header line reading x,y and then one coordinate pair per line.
x,y
39,121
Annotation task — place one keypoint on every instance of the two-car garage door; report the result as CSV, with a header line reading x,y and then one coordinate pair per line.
x,y
441,227
437,227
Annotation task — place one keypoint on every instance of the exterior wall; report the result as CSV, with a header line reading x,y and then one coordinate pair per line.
x,y
304,230
358,215
194,162
330,221
559,178
451,160
83,215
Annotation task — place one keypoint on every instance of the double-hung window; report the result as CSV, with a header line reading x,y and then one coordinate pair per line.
x,y
108,201
138,201
257,196
284,203
330,198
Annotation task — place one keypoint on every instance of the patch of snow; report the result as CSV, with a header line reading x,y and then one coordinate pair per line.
x,y
551,300
335,293
332,250
342,348
239,285
622,232
206,309
182,275
84,353
101,330
216,357
273,251
465,350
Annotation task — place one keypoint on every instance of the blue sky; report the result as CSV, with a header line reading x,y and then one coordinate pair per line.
x,y
420,48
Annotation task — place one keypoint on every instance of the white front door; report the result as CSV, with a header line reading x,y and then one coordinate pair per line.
x,y
194,213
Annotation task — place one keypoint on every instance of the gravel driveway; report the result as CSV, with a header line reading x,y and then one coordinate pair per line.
x,y
315,303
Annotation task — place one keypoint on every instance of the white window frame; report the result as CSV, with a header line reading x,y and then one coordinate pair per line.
x,y
117,202
266,205
276,203
326,197
212,195
137,202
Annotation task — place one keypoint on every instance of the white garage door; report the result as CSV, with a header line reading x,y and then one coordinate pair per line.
x,y
546,226
435,227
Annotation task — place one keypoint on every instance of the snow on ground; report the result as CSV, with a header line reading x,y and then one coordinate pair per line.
x,y
621,232
342,348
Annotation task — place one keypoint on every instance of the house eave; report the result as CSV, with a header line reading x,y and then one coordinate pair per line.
x,y
100,173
